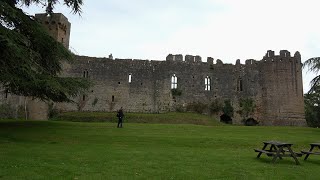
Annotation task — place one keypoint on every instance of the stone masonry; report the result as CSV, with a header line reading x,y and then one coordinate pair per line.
x,y
274,83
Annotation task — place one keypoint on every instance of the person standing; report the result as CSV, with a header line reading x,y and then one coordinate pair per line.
x,y
120,116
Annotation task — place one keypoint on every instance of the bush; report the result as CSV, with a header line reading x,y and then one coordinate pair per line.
x,y
215,107
227,108
197,107
180,108
7,111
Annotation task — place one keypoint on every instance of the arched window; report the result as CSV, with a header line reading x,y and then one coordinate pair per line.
x,y
174,82
207,84
86,74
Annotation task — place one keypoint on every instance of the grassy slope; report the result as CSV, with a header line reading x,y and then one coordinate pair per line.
x,y
167,118
69,150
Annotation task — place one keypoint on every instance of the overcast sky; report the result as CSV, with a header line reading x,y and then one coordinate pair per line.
x,y
222,29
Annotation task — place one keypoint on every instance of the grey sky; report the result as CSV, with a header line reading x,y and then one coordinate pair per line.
x,y
224,29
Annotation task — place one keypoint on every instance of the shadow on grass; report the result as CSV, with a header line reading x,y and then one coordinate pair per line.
x,y
315,162
286,160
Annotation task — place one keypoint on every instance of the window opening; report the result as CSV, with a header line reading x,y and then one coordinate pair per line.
x,y
174,82
130,77
112,98
86,74
207,84
240,85
7,91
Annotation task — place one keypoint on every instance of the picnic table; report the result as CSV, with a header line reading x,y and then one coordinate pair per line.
x,y
279,150
313,145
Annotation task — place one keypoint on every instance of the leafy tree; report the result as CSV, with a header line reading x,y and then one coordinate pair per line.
x,y
312,107
314,65
30,60
312,98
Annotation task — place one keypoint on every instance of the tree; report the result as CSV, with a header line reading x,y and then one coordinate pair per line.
x,y
312,98
30,59
314,65
312,107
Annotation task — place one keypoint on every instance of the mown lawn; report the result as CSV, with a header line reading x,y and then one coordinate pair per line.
x,y
78,150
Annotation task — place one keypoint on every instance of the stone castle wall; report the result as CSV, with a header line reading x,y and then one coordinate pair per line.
x,y
274,83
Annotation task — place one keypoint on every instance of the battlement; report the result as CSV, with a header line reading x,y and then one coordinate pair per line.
x,y
57,25
284,55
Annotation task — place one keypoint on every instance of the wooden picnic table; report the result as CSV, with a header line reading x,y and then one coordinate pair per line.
x,y
312,146
279,150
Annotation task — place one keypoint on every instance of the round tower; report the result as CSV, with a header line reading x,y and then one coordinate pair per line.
x,y
282,91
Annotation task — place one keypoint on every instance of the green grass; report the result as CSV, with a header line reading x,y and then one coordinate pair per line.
x,y
77,150
167,118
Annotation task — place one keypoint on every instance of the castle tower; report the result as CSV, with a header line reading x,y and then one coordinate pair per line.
x,y
57,25
282,91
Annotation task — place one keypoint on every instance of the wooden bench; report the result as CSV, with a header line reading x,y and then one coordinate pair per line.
x,y
277,150
269,153
307,153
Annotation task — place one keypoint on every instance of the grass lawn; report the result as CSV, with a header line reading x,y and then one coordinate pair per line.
x,y
78,150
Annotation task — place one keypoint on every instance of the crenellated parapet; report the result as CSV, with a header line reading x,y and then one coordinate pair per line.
x,y
284,56
177,57
57,26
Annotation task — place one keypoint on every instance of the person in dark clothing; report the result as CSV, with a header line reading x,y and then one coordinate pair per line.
x,y
120,116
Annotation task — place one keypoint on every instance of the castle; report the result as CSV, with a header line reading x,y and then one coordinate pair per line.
x,y
274,83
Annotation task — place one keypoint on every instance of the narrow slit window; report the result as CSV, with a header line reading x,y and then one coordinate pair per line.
x,y
130,77
207,84
83,97
85,74
174,82
7,92
240,85
112,98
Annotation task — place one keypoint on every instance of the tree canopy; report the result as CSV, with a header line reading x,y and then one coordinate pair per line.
x,y
312,98
30,59
312,107
314,65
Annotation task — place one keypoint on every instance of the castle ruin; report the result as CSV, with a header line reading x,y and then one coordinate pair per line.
x,y
274,83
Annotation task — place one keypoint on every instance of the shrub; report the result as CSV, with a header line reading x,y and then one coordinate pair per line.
x,y
215,107
180,108
197,107
7,111
227,108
